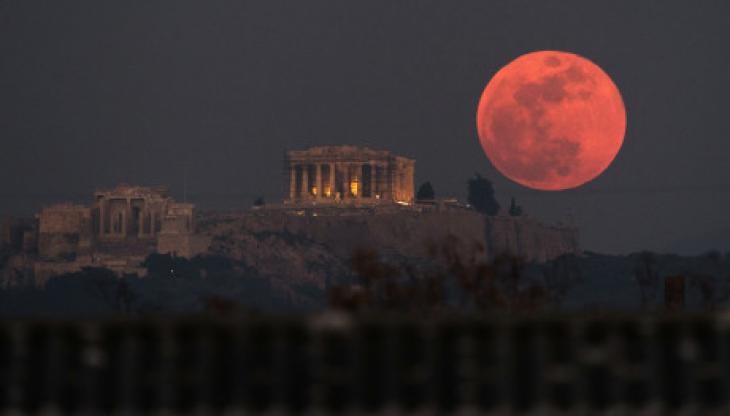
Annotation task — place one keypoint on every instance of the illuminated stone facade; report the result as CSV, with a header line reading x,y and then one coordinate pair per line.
x,y
134,218
129,212
339,174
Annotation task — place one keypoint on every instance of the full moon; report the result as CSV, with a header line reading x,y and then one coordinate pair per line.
x,y
551,120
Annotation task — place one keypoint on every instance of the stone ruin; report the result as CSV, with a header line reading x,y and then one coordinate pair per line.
x,y
340,198
17,233
118,231
124,218
348,174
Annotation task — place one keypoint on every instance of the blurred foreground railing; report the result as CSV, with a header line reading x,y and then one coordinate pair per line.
x,y
333,364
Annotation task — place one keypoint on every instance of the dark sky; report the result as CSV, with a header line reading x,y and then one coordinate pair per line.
x,y
94,93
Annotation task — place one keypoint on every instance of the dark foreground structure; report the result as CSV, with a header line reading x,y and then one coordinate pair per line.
x,y
333,364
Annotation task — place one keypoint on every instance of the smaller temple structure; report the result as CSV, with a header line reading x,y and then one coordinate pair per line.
x,y
126,219
135,212
348,174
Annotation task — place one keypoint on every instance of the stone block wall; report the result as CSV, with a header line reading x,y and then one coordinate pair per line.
x,y
64,230
14,230
178,234
182,245
410,233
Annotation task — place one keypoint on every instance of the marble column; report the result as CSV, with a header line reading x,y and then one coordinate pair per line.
x,y
292,181
153,223
305,182
116,220
360,181
387,182
345,190
144,231
333,191
373,172
348,175
318,181
409,182
375,180
352,170
401,181
140,223
127,216
101,217
396,184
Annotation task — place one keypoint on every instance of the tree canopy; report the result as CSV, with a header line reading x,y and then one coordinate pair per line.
x,y
514,209
481,195
425,192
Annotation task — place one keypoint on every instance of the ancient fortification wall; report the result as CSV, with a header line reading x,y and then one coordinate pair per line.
x,y
528,238
409,233
183,245
64,229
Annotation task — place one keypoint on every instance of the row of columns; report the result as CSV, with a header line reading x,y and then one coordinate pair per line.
x,y
125,214
302,189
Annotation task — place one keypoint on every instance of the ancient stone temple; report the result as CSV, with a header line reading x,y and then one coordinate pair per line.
x,y
339,174
137,212
126,219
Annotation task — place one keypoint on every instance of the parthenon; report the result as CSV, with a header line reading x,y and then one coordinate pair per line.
x,y
337,174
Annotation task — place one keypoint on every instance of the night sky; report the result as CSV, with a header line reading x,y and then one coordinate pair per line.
x,y
95,93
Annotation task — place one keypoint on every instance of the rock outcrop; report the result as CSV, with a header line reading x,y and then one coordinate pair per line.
x,y
277,254
314,246
408,232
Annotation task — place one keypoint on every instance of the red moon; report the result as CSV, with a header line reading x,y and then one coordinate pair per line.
x,y
551,120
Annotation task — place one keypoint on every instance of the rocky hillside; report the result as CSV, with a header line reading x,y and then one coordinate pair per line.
x,y
277,253
311,238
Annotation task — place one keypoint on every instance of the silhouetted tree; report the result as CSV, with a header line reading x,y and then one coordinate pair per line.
x,y
647,277
707,285
713,256
170,266
514,209
5,253
561,275
458,277
425,192
259,201
481,195
102,284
